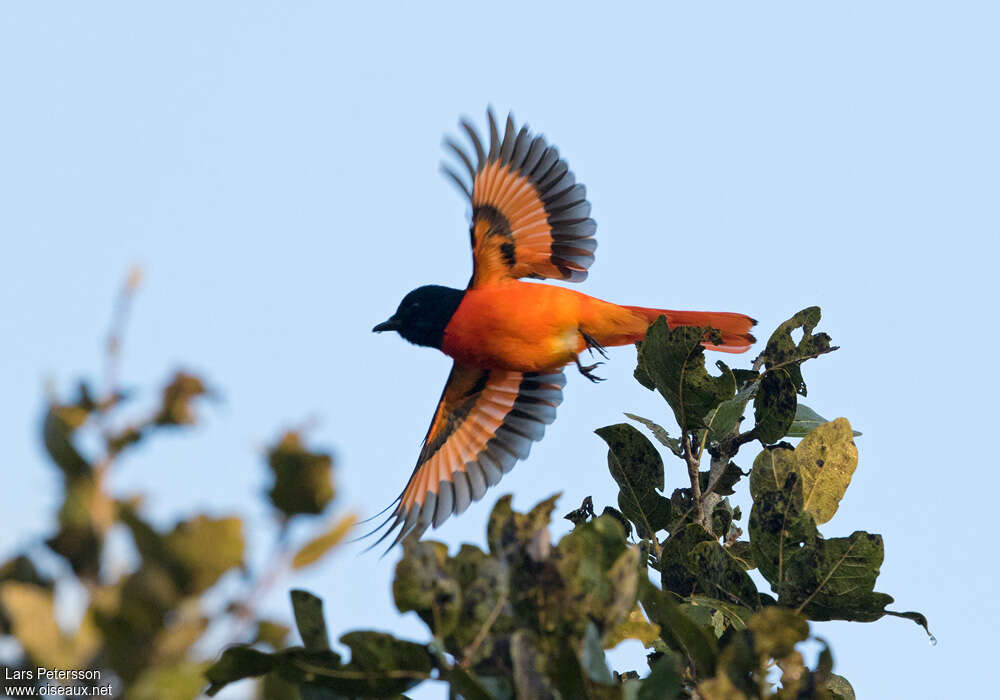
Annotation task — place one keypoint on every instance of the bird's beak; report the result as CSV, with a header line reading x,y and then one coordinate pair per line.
x,y
391,325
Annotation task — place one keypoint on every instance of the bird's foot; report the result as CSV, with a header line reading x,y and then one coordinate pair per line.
x,y
593,344
588,371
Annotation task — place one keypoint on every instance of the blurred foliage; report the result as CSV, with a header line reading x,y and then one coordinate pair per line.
x,y
529,618
151,619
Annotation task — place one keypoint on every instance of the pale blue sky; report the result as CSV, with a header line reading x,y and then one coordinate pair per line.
x,y
274,168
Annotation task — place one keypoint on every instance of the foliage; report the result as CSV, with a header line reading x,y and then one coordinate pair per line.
x,y
524,618
145,615
529,618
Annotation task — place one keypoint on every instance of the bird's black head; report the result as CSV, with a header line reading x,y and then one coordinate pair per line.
x,y
423,314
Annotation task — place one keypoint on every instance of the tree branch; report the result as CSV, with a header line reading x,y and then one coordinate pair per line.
x,y
693,464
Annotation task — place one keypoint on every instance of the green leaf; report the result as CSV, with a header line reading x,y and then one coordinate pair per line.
x,y
740,551
274,687
592,658
676,573
529,666
721,576
421,584
771,469
176,407
726,481
638,469
464,600
782,350
180,681
309,619
737,672
582,514
376,651
484,586
620,517
235,664
675,361
205,548
735,615
322,544
510,533
774,406
777,630
380,666
723,421
919,618
777,528
826,579
302,481
678,630
663,682
806,420
824,663
640,373
599,575
465,683
85,516
834,579
624,579
567,674
61,421
840,688
659,432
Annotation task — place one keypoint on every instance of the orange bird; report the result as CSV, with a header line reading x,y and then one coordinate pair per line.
x,y
510,339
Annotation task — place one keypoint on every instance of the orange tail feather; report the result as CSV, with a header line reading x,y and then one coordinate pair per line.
x,y
735,328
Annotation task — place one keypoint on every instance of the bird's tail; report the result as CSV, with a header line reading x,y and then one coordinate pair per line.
x,y
735,328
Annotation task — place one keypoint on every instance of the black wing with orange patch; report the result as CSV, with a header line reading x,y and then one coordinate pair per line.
x,y
530,217
485,422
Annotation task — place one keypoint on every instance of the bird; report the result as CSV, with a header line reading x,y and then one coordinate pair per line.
x,y
510,339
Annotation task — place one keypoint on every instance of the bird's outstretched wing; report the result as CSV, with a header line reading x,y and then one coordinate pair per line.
x,y
530,217
485,422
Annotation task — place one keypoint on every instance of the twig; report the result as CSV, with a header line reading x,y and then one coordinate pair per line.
x,y
727,450
483,631
720,460
116,332
273,569
693,464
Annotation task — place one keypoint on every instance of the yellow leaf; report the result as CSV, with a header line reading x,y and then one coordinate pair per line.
x,y
32,616
635,626
827,458
720,688
824,461
315,549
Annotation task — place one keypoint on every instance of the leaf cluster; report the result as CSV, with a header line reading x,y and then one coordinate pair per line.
x,y
144,614
533,618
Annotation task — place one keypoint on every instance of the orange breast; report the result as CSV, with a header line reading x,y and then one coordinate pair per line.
x,y
518,326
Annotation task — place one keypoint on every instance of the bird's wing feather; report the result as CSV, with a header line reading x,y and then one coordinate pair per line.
x,y
486,420
530,217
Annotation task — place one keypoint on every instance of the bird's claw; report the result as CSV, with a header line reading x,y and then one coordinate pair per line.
x,y
593,345
588,370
